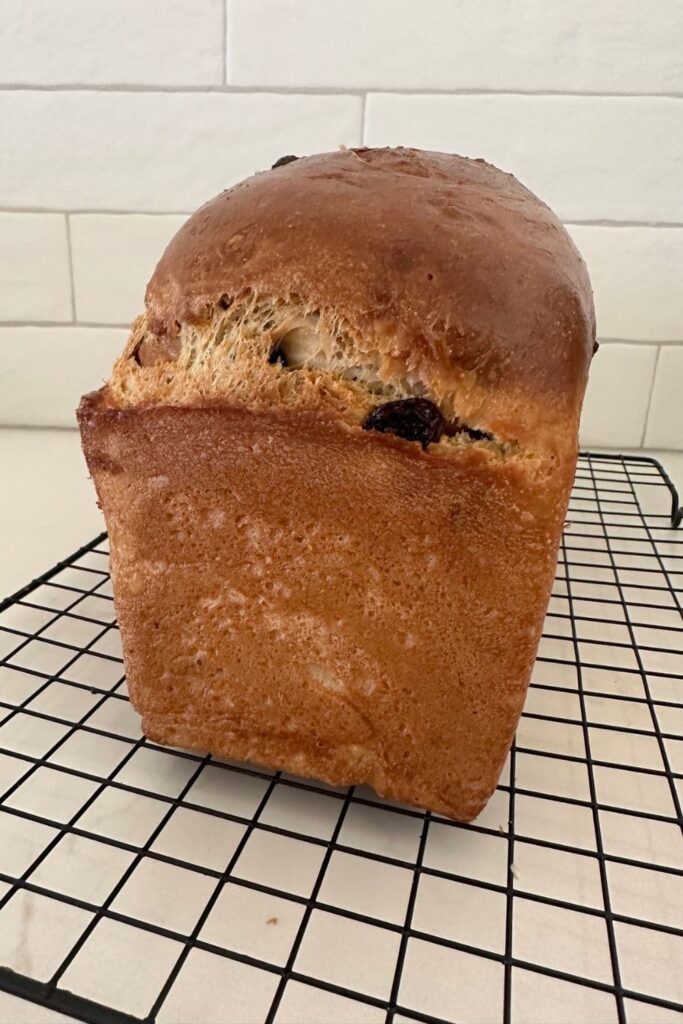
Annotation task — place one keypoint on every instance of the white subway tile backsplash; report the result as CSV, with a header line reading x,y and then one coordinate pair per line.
x,y
590,158
618,394
45,370
84,42
113,258
519,45
156,151
637,280
665,422
34,267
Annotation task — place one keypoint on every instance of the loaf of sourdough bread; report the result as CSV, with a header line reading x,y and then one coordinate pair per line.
x,y
334,461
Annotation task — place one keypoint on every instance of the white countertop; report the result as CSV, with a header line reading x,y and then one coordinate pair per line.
x,y
48,507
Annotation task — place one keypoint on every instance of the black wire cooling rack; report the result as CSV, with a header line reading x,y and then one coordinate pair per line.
x,y
138,883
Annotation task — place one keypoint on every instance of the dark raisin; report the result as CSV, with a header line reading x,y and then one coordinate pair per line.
x,y
414,419
284,160
225,302
276,355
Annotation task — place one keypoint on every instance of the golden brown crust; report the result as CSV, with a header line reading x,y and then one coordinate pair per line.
x,y
340,605
291,588
447,263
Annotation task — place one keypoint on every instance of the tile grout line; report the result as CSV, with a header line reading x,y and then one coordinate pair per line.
x,y
51,324
650,397
328,90
605,222
70,258
363,118
649,342
224,16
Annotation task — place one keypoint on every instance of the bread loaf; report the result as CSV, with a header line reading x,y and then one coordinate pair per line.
x,y
334,461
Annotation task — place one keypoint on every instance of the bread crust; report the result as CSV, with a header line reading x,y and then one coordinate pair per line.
x,y
449,264
339,604
291,588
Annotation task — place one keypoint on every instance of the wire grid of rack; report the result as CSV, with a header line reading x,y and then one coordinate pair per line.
x,y
138,883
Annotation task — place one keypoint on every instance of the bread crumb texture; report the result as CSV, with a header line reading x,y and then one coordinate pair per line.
x,y
264,355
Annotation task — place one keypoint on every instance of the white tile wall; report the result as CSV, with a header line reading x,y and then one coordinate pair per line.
x,y
113,258
34,257
45,370
519,45
618,394
106,42
590,158
155,151
637,277
118,118
665,423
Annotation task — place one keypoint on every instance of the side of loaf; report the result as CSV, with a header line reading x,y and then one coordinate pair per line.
x,y
334,461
